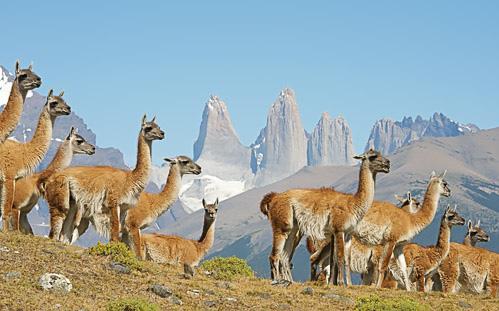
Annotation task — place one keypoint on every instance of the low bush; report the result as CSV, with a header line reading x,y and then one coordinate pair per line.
x,y
132,304
118,252
375,303
227,268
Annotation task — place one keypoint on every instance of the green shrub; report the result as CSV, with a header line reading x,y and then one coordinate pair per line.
x,y
118,252
132,304
227,268
375,303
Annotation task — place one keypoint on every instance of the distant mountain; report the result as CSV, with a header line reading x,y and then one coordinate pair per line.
x,y
331,142
218,149
388,136
281,147
472,162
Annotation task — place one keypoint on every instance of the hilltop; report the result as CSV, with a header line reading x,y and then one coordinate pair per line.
x,y
95,284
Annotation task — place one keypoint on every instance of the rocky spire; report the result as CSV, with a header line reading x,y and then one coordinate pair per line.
x,y
281,148
218,147
331,142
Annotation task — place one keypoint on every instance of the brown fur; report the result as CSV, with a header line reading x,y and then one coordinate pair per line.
x,y
363,259
174,249
20,159
264,204
423,262
24,81
30,188
100,193
469,268
386,224
319,213
153,205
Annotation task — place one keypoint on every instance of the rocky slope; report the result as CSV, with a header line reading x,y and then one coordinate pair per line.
x,y
388,135
99,283
472,162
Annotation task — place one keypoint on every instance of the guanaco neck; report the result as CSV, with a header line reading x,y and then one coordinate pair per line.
x,y
170,190
205,242
365,192
61,160
39,144
468,241
140,174
427,212
12,111
443,243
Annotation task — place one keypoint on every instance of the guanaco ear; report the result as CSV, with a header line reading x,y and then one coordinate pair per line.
x,y
399,198
216,203
360,156
204,203
61,94
409,195
433,174
30,67
470,224
478,223
144,119
18,67
447,209
72,131
171,161
153,119
50,93
455,208
443,174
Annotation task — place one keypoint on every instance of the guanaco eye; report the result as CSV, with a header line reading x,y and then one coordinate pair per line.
x,y
53,104
148,129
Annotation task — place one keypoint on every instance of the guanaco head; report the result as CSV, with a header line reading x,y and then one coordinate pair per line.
x,y
186,165
439,183
56,105
452,217
26,78
79,144
210,210
408,203
151,130
377,163
476,233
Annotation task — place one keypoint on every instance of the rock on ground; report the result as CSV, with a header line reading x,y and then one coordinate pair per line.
x,y
56,282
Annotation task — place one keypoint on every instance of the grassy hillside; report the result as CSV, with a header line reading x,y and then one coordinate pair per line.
x,y
96,285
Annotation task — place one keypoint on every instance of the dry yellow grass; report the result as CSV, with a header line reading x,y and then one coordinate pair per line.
x,y
95,285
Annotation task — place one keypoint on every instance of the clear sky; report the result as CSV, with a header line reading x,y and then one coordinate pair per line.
x,y
362,59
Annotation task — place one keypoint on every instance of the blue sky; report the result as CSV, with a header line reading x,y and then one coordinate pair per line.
x,y
362,59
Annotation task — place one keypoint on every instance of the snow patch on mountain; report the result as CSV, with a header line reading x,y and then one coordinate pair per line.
x,y
210,188
6,79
